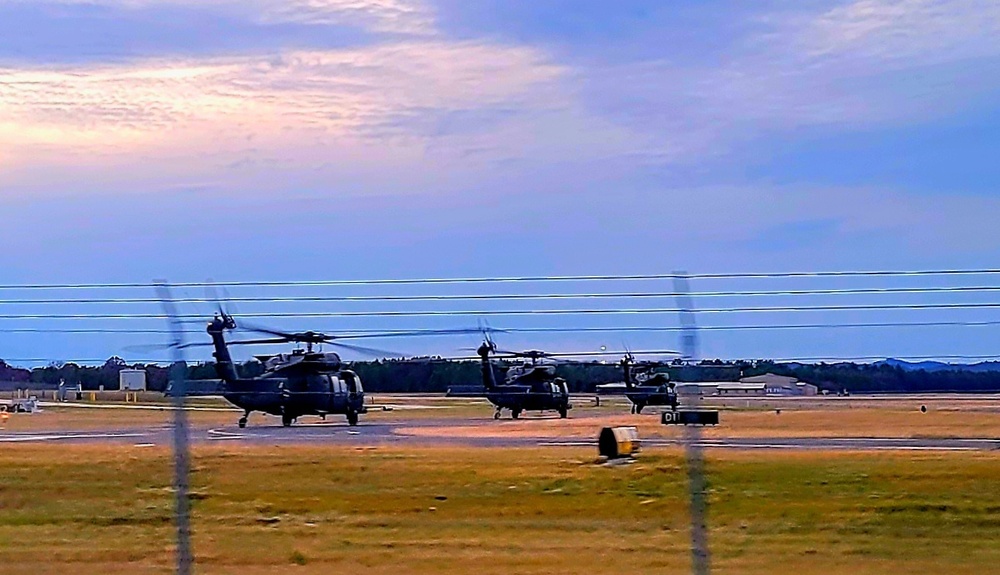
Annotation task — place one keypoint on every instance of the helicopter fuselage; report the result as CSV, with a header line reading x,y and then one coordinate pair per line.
x,y
293,385
530,387
294,391
650,390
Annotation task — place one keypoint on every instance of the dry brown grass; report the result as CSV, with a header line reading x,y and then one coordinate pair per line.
x,y
87,509
945,418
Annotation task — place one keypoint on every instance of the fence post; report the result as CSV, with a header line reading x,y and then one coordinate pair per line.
x,y
697,485
178,387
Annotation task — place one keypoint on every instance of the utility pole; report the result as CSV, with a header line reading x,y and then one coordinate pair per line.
x,y
693,452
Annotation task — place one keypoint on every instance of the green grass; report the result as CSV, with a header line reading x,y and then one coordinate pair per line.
x,y
90,509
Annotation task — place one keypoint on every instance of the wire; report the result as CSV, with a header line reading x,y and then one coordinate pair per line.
x,y
728,363
554,296
83,360
515,279
433,313
417,332
882,358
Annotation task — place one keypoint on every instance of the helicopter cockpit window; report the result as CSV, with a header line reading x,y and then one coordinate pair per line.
x,y
336,385
352,380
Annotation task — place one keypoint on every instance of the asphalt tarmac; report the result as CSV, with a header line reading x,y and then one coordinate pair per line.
x,y
389,434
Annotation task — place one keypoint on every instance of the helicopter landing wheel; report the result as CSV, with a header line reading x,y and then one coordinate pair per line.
x,y
352,418
562,413
242,422
515,413
496,414
286,420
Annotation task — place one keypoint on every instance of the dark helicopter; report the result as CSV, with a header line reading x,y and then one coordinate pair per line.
x,y
532,385
645,386
529,386
303,382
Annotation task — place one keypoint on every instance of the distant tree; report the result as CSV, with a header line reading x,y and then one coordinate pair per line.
x,y
16,374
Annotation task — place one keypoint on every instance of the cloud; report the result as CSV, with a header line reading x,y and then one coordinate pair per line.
x,y
339,90
422,106
387,16
859,65
907,32
394,16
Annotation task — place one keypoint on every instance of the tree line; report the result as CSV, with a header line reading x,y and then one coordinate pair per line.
x,y
439,376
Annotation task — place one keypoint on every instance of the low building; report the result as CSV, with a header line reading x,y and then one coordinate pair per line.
x,y
699,388
781,385
768,384
742,389
610,388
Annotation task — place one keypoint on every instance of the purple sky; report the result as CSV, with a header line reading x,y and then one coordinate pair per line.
x,y
328,139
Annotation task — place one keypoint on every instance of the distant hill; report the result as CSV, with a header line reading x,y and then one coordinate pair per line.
x,y
933,366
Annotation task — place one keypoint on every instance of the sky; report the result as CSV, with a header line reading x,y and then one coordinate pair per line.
x,y
359,139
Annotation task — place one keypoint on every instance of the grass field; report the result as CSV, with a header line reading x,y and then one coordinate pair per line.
x,y
87,509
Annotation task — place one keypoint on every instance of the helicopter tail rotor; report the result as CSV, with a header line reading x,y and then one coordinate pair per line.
x,y
486,330
627,362
222,311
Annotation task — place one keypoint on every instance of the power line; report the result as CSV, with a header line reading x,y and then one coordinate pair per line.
x,y
481,297
728,362
881,358
653,329
603,311
517,279
759,327
82,360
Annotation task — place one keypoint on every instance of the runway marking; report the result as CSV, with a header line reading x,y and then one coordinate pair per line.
x,y
912,439
217,434
395,407
752,445
144,445
55,437
149,407
925,448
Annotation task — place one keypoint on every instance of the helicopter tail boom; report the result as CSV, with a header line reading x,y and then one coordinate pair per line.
x,y
489,381
224,367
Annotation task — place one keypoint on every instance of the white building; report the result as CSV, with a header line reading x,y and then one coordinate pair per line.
x,y
780,385
132,380
742,388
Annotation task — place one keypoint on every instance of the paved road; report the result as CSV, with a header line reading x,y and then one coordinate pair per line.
x,y
375,433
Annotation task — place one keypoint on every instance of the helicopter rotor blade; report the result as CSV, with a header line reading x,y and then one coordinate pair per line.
x,y
147,347
370,351
230,307
212,294
504,352
259,329
210,344
273,340
411,333
610,353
